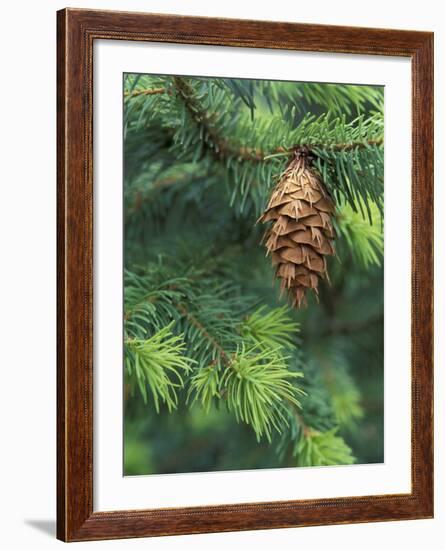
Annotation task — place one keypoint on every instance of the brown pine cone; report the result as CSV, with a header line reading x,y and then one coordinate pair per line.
x,y
302,234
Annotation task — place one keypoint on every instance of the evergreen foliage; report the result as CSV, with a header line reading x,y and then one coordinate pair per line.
x,y
209,344
322,449
157,363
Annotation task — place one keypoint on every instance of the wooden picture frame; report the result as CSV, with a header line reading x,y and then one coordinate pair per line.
x,y
77,31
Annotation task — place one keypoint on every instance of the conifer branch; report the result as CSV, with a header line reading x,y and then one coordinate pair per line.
x,y
323,449
157,366
148,91
219,146
197,324
223,148
348,146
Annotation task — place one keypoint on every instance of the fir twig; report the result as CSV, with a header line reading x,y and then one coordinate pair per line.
x,y
201,328
219,146
223,147
148,91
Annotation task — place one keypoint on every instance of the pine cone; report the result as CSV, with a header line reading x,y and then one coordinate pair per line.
x,y
302,233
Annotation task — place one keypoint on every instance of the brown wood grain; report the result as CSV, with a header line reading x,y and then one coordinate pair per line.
x,y
76,32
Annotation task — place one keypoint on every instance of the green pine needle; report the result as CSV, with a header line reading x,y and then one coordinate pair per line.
x,y
323,449
364,239
347,406
259,387
272,329
205,385
157,366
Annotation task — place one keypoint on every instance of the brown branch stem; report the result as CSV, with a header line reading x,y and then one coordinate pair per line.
x,y
219,146
197,324
147,91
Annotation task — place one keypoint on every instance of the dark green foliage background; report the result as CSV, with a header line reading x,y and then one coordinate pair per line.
x,y
197,176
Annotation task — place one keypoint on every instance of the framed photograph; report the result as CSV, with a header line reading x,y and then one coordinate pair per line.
x,y
245,229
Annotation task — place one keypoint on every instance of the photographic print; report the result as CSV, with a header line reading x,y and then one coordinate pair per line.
x,y
253,274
